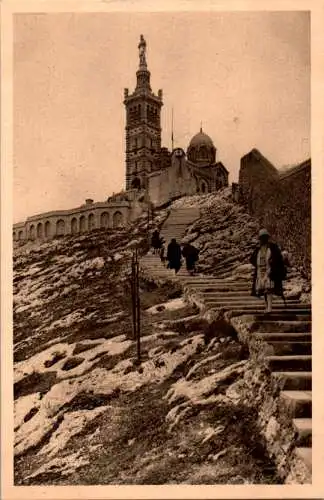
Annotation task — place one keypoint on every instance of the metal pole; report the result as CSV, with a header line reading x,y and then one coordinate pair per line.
x,y
133,298
138,315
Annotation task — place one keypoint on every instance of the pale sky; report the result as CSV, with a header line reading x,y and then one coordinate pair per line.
x,y
246,76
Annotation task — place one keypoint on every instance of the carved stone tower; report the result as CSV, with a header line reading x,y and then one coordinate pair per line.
x,y
143,126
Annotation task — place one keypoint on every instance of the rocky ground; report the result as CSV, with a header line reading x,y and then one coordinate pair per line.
x,y
226,236
85,411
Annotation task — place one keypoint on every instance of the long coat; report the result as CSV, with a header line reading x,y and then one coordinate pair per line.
x,y
174,256
277,268
190,253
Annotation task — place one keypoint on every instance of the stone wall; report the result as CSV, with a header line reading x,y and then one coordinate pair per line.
x,y
281,202
118,211
64,222
172,182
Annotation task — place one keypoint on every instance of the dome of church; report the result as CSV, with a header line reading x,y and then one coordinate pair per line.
x,y
201,139
201,149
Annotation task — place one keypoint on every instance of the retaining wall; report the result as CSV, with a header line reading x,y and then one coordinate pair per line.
x,y
281,202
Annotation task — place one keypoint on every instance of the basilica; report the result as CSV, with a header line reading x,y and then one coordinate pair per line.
x,y
154,175
164,174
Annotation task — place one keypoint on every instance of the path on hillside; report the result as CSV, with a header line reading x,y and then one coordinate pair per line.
x,y
287,330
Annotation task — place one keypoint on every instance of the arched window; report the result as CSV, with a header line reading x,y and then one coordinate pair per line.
x,y
136,183
91,222
104,220
60,227
204,188
20,235
14,236
117,219
32,232
203,153
74,225
47,229
39,230
82,224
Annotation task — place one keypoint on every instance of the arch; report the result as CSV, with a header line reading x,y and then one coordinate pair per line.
x,y
204,188
203,152
104,220
117,219
82,222
14,235
91,222
60,227
39,230
20,235
47,229
74,225
32,232
136,183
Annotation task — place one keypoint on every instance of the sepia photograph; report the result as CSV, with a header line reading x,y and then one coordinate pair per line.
x,y
161,248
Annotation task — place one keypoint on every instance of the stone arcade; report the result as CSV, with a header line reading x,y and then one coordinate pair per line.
x,y
154,175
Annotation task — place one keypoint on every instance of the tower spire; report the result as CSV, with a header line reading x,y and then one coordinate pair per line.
x,y
143,125
142,74
142,53
172,137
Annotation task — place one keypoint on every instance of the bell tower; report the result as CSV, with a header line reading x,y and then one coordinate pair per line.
x,y
143,126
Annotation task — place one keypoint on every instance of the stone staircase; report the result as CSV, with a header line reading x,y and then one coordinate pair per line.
x,y
176,224
287,330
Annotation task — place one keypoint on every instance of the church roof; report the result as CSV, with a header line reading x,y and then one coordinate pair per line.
x,y
201,139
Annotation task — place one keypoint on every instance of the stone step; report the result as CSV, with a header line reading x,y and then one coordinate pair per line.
x,y
289,336
241,294
258,311
180,210
294,363
230,272
294,381
220,297
189,216
277,314
244,292
182,224
280,326
214,284
174,230
284,348
305,454
298,404
303,428
259,308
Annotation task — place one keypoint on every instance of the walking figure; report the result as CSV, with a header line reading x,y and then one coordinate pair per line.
x,y
156,241
162,250
190,254
270,270
174,255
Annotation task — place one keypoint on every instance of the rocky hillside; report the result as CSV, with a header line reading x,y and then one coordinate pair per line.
x,y
85,411
226,236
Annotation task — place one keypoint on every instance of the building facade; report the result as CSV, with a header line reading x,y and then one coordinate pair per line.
x,y
154,175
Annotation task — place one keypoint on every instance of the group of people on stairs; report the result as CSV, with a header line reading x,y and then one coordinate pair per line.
x,y
269,262
175,253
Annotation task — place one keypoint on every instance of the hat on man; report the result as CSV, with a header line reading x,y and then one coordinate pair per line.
x,y
263,232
